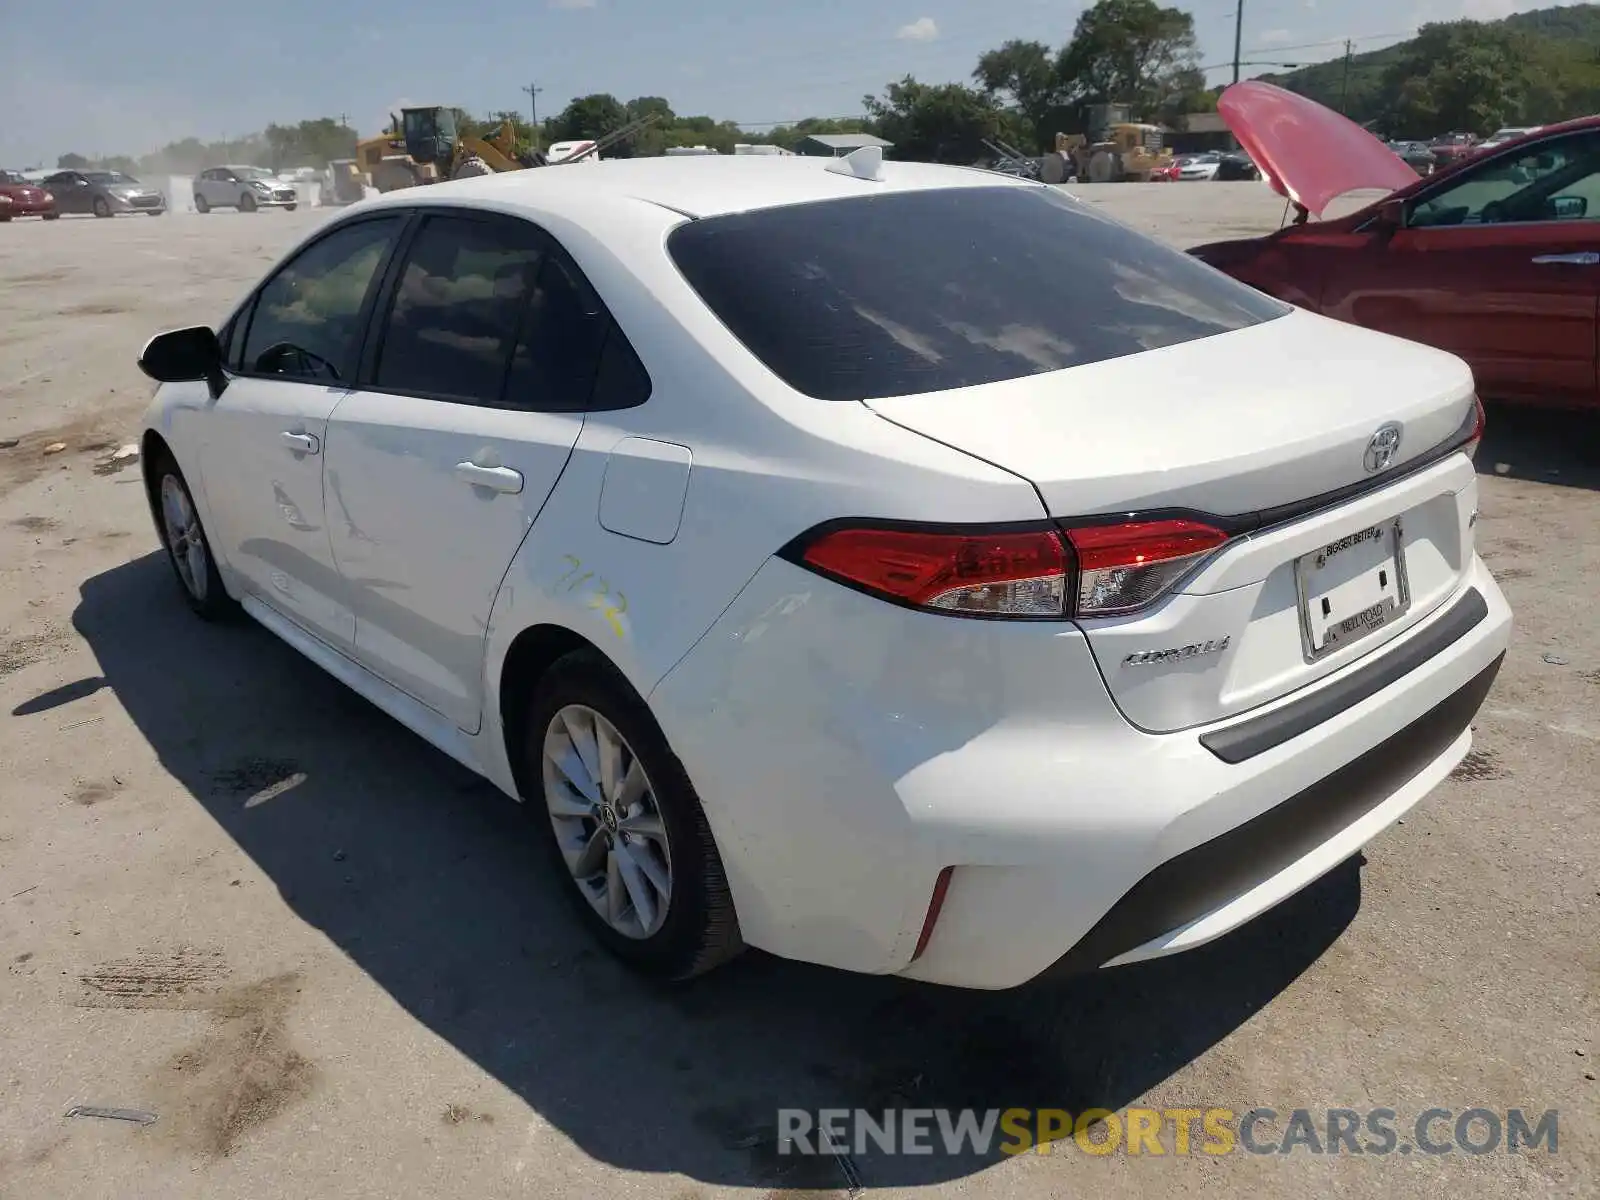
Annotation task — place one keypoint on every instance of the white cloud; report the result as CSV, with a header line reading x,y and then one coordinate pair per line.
x,y
923,29
1274,37
573,3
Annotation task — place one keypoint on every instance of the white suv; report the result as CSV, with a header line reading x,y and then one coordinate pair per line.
x,y
244,188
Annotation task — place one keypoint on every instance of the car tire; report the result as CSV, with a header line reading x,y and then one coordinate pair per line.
x,y
51,216
638,835
4,217
290,207
102,207
182,534
200,204
247,202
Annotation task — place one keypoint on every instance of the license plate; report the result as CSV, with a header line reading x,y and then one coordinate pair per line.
x,y
1351,588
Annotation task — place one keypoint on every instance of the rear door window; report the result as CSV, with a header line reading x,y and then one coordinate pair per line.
x,y
922,291
553,369
458,308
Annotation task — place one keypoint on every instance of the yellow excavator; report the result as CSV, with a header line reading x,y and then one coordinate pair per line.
x,y
426,145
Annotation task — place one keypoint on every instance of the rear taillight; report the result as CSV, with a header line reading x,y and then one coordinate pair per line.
x,y
1125,567
976,574
1480,420
1092,571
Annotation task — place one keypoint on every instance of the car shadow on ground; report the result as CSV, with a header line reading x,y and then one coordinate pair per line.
x,y
427,879
1541,445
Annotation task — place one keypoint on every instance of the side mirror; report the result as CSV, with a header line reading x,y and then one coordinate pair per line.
x,y
184,356
1390,217
1566,208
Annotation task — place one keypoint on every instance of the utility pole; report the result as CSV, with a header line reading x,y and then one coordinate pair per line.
x,y
1238,34
1344,87
533,91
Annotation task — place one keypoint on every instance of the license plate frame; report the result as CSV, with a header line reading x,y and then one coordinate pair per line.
x,y
1388,604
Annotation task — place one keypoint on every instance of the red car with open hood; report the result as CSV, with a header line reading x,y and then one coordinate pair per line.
x,y
1495,258
27,199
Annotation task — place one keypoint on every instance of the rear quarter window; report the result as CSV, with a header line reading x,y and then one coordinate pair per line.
x,y
922,291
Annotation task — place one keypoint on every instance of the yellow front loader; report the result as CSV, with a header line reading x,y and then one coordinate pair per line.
x,y
1123,152
433,145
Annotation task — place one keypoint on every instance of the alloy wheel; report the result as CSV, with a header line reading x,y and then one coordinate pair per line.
x,y
185,541
607,822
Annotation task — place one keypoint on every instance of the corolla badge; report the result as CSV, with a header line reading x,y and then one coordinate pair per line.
x,y
1173,654
1382,446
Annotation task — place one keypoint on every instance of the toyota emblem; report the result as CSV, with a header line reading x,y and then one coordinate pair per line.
x,y
1382,446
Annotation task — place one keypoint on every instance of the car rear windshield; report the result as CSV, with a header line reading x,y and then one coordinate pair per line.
x,y
920,291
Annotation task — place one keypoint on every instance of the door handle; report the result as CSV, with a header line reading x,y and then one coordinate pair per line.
x,y
1582,258
496,479
300,443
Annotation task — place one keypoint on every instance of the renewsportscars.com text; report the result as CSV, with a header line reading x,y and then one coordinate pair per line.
x,y
1166,1131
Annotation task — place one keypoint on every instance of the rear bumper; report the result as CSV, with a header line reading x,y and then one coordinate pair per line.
x,y
847,751
1217,885
1242,836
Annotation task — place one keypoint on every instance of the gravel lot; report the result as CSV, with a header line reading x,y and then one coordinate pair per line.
x,y
234,895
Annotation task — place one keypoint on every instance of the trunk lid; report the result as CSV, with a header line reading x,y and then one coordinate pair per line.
x,y
1236,426
1308,153
1229,424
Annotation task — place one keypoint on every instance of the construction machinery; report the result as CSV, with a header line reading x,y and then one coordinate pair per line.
x,y
426,145
342,183
1115,150
1008,160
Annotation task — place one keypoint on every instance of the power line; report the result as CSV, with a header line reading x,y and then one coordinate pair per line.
x,y
1369,37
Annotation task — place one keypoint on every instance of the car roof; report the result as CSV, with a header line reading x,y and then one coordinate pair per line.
x,y
695,186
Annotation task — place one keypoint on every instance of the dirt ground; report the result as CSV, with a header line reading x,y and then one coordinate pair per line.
x,y
236,897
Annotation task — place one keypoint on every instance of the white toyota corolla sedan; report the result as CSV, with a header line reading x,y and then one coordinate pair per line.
x,y
820,547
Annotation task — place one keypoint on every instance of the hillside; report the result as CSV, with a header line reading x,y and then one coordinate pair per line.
x,y
1546,62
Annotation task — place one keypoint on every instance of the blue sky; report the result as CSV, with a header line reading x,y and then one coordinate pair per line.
x,y
105,76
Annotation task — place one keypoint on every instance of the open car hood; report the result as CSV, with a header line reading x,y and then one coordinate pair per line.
x,y
1308,153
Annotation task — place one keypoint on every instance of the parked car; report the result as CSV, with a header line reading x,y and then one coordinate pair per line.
x,y
1415,155
1167,173
243,188
1236,166
1510,133
1451,147
1198,168
24,199
833,581
1492,260
103,193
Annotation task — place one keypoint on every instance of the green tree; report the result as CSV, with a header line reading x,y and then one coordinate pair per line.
x,y
71,162
936,122
1023,77
1458,75
1131,52
588,117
